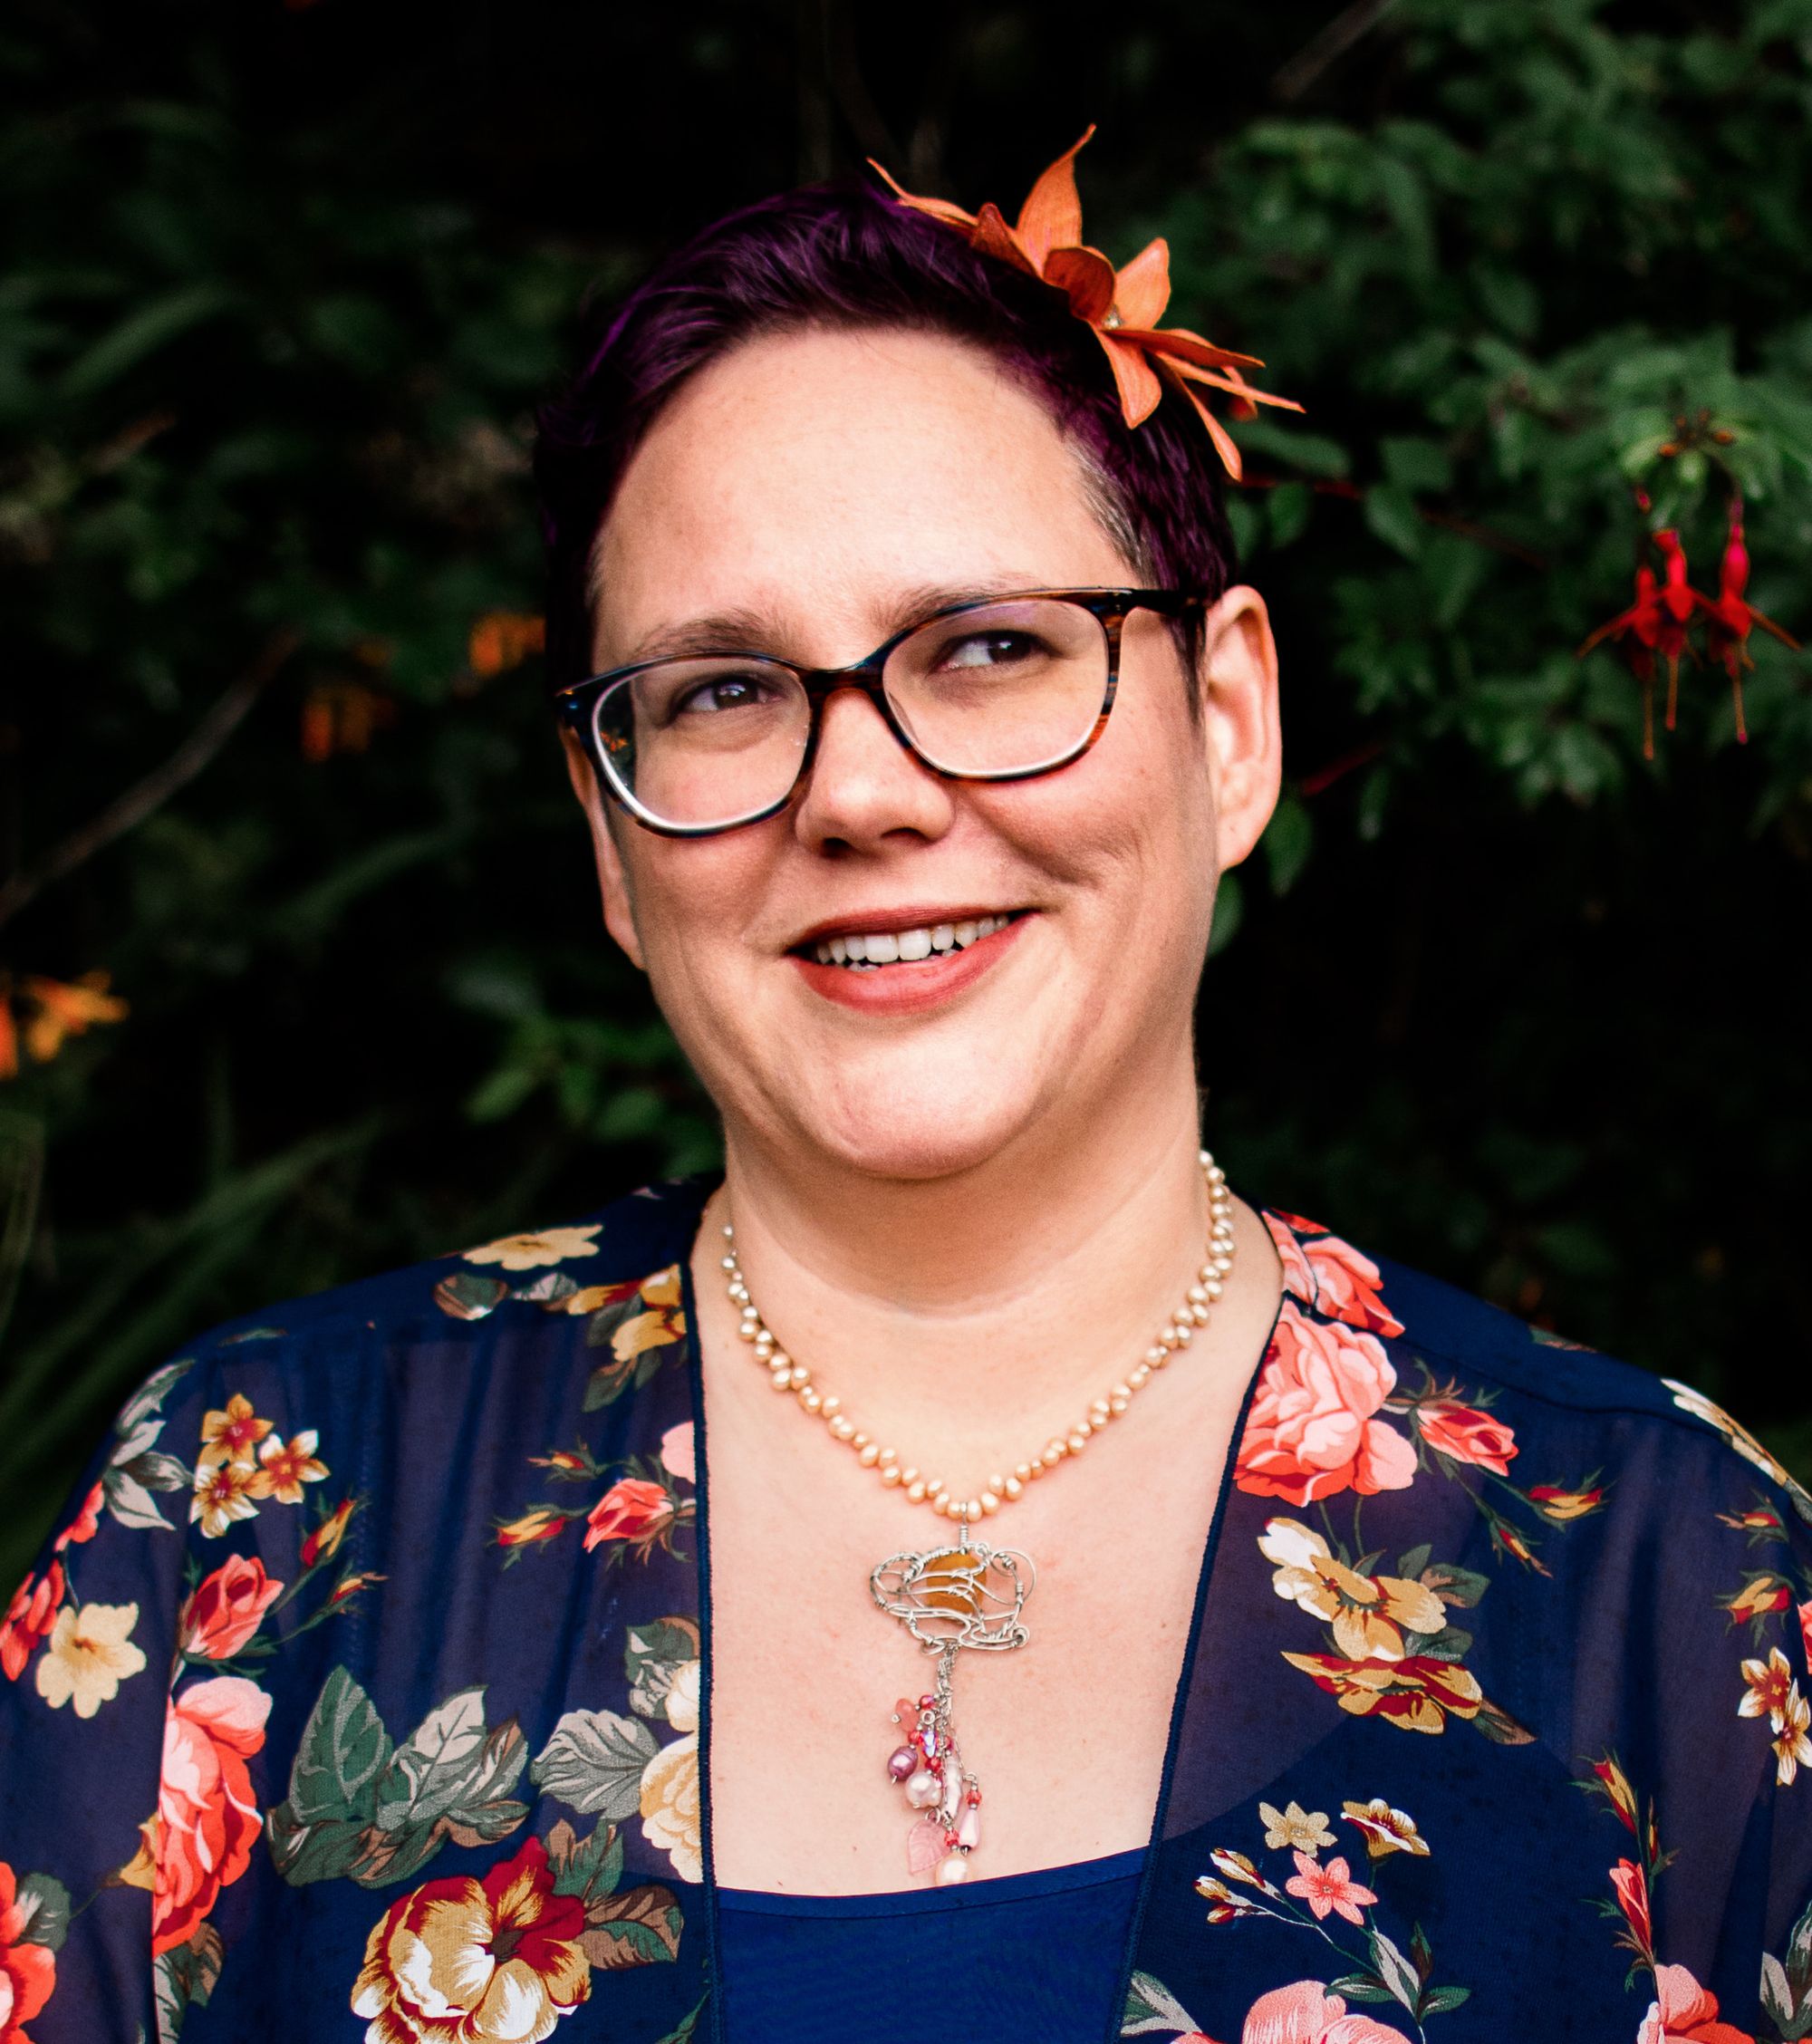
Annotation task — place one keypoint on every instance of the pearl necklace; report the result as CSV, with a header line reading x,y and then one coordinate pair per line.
x,y
961,1593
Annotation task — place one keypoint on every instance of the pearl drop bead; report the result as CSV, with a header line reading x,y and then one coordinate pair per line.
x,y
951,1870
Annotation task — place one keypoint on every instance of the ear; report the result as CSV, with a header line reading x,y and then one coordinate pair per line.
x,y
1239,726
613,877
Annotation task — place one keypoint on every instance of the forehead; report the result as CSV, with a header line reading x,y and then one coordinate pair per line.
x,y
817,474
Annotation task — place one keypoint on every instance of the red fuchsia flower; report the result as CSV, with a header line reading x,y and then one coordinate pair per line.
x,y
1464,1434
86,1522
1730,618
1655,624
225,1609
1630,1885
30,1617
632,1509
1683,2012
1328,1889
28,1970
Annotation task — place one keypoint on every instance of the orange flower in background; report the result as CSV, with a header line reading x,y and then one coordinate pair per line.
x,y
460,1960
56,1011
501,640
342,717
1121,307
207,1818
28,1970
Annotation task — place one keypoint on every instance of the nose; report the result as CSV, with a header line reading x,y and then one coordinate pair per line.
x,y
864,788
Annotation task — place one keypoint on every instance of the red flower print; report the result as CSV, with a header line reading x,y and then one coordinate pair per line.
x,y
325,1541
1465,1434
1806,1628
1631,1884
539,1522
1759,1597
30,1618
1313,1431
86,1522
1559,1505
208,1821
1418,1693
1330,1275
1306,2013
1683,2012
461,1961
1328,1888
28,1970
224,1609
632,1509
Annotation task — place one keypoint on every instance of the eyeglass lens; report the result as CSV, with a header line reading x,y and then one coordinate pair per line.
x,y
1003,689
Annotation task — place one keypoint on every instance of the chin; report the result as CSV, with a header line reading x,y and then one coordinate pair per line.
x,y
927,1121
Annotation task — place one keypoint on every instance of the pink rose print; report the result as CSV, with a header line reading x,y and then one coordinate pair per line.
x,y
1683,2012
1306,2013
1312,1430
1330,1275
1465,1434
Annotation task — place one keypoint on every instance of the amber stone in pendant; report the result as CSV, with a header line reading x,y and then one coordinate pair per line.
x,y
950,1580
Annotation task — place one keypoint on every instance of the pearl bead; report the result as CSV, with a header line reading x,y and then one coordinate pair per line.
x,y
1154,1355
1199,1313
972,1508
782,1380
833,1405
923,1788
902,1764
1196,1297
996,1482
990,1502
843,1428
1079,1440
868,1455
909,1476
730,1263
1011,1488
800,1375
1053,1453
890,1475
916,1492
1140,1375
1022,1471
811,1400
951,1870
1118,1403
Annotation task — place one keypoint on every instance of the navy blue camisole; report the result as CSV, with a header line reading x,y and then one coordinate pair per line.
x,y
1040,1952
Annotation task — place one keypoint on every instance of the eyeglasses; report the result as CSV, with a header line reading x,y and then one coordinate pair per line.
x,y
998,689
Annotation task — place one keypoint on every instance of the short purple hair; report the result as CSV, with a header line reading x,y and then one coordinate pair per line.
x,y
847,255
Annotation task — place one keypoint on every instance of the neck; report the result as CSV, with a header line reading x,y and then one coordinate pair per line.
x,y
976,1311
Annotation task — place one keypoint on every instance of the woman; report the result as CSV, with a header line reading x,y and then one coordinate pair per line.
x,y
1359,1665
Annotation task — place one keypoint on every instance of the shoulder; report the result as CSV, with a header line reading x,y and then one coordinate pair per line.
x,y
1472,1379
476,1294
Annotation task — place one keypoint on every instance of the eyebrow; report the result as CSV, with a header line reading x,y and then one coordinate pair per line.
x,y
755,630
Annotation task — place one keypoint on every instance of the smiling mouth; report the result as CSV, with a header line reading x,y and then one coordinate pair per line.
x,y
878,950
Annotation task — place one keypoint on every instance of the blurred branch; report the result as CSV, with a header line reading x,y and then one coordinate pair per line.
x,y
22,1178
130,809
1291,80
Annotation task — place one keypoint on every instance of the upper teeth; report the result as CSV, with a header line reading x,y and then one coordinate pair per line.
x,y
884,946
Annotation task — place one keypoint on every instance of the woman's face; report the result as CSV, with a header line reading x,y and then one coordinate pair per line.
x,y
823,490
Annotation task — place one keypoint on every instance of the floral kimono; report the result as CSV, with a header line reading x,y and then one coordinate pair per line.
x,y
361,1692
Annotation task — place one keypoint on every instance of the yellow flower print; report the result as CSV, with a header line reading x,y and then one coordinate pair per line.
x,y
232,1436
1768,1685
1302,1830
529,1252
223,1495
284,1467
91,1653
661,1324
1792,1746
672,1805
1741,1439
1386,1830
1368,1614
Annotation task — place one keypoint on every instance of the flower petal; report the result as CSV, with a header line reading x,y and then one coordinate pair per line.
x,y
992,236
1134,376
1185,345
938,209
1087,277
1142,289
1051,217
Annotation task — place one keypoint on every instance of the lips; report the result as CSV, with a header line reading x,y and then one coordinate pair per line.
x,y
929,964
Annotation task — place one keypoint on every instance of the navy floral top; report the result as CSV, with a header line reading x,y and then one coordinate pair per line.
x,y
361,1691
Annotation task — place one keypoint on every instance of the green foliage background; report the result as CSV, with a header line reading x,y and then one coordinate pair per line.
x,y
281,287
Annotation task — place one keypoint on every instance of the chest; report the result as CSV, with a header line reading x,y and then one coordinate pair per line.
x,y
1066,1734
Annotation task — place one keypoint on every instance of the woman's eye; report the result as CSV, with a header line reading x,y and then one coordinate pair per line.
x,y
729,691
990,649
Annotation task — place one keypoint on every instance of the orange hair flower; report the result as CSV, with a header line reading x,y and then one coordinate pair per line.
x,y
1121,307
